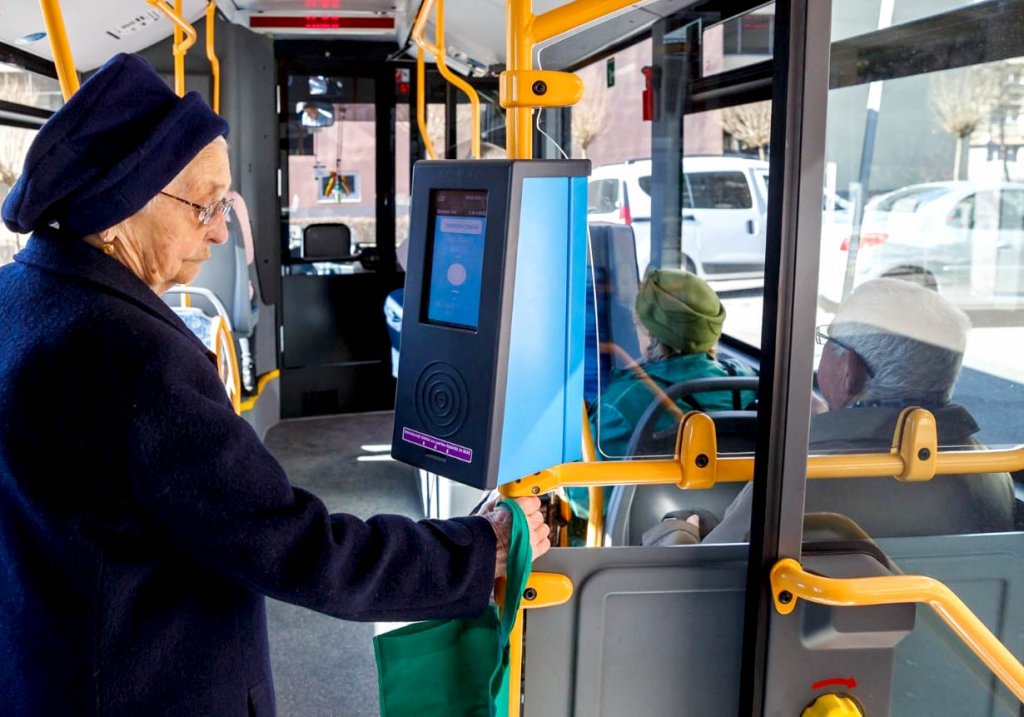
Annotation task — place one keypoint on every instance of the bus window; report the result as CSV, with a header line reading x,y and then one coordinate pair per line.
x,y
30,90
331,163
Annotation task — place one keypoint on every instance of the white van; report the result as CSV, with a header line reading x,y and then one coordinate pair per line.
x,y
725,201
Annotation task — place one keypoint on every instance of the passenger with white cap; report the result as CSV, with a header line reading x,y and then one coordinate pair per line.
x,y
893,344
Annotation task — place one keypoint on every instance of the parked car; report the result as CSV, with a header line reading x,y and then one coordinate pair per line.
x,y
724,204
962,238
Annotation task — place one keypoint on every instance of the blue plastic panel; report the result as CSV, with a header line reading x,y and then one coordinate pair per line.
x,y
542,425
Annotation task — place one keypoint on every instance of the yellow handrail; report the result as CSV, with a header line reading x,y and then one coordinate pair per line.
x,y
524,30
62,59
181,44
250,403
914,456
211,54
787,576
438,50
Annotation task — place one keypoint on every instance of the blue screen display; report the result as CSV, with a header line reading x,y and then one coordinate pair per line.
x,y
457,257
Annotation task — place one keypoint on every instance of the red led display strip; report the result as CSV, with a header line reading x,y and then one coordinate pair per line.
x,y
322,22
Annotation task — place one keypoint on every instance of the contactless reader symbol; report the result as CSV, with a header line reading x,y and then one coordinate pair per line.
x,y
442,401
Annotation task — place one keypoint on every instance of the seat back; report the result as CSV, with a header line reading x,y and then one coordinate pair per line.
x,y
230,273
612,285
327,242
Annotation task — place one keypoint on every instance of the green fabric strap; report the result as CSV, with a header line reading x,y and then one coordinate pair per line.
x,y
520,558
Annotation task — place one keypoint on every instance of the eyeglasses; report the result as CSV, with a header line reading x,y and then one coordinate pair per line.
x,y
822,337
207,211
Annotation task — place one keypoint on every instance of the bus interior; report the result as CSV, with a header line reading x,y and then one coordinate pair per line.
x,y
782,154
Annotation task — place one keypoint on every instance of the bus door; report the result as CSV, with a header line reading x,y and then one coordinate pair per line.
x,y
944,334
884,573
338,245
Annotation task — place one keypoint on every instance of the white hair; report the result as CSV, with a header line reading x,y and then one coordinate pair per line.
x,y
911,339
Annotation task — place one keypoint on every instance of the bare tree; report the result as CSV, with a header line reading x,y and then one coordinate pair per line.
x,y
589,117
962,100
750,124
14,142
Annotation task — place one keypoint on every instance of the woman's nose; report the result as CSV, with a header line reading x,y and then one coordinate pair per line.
x,y
218,229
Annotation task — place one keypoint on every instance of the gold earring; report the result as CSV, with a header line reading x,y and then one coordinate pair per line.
x,y
108,248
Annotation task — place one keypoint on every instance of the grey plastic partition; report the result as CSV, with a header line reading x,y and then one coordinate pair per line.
x,y
657,632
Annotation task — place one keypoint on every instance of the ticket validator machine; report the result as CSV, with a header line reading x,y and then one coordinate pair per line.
x,y
490,382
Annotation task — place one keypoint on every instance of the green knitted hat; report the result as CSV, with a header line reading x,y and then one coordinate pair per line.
x,y
680,310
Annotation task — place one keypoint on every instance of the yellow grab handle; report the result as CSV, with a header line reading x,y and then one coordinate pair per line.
x,y
211,55
439,52
790,582
181,44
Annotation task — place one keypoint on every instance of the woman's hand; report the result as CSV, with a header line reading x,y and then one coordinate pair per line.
x,y
501,521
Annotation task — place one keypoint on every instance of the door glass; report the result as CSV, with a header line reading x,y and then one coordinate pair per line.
x,y
331,167
920,299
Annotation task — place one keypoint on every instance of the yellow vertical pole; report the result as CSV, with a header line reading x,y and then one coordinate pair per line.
x,y
179,58
519,57
421,102
211,54
515,666
65,63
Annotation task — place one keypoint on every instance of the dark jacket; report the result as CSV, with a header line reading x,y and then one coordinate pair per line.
x,y
885,507
141,521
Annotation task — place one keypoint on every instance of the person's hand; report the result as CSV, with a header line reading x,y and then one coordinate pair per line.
x,y
501,521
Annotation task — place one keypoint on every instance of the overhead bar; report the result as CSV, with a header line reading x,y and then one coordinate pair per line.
x,y
438,50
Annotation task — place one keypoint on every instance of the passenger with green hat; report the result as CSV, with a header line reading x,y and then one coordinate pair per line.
x,y
684,318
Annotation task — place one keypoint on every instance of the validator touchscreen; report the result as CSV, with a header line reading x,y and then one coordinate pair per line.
x,y
456,257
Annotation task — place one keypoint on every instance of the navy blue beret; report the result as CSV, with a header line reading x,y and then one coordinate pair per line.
x,y
111,148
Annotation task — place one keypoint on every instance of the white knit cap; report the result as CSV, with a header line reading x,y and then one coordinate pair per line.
x,y
903,308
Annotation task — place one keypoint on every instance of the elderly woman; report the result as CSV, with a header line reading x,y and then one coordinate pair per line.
x,y
683,317
141,521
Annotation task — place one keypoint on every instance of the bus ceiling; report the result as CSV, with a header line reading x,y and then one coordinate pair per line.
x,y
475,29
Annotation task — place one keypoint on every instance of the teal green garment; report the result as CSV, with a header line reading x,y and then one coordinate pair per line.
x,y
625,398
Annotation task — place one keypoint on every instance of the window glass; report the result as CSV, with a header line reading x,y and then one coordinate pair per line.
x,y
14,144
23,87
697,210
739,41
331,162
603,196
719,190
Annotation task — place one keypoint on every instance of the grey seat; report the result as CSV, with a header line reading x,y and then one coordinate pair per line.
x,y
632,510
230,276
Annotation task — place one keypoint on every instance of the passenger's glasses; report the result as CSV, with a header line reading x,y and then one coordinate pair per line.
x,y
822,337
206,212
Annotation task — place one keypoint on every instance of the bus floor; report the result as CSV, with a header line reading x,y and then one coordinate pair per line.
x,y
324,666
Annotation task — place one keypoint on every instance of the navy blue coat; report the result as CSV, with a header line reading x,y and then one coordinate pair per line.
x,y
141,521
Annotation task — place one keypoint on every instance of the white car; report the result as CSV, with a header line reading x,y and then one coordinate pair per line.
x,y
725,201
962,238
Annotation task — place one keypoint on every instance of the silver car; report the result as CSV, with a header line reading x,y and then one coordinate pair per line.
x,y
962,238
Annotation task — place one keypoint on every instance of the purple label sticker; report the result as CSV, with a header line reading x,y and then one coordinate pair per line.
x,y
438,445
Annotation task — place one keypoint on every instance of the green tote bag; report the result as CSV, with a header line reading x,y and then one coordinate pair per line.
x,y
455,668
